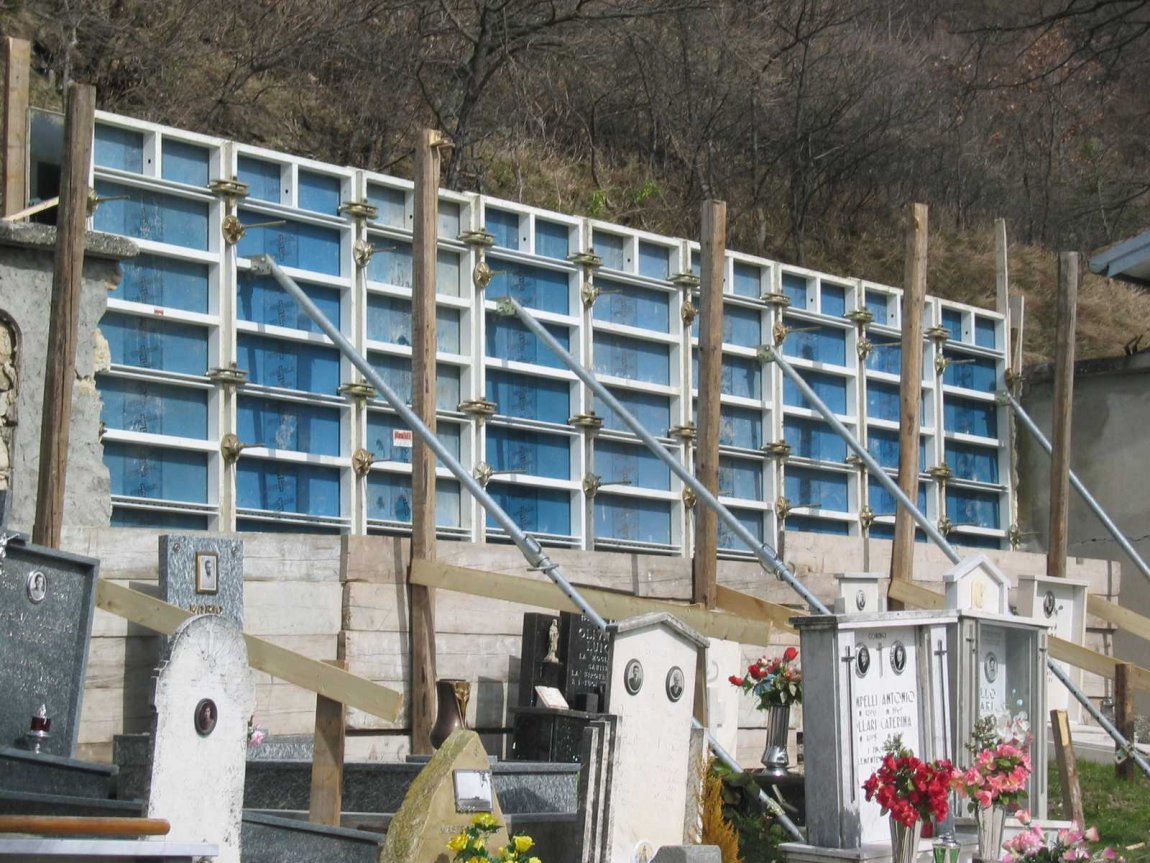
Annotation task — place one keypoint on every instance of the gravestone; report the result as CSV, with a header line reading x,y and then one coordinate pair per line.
x,y
724,658
539,660
433,809
204,575
977,584
866,678
1060,605
1001,668
585,656
859,593
46,604
204,698
651,690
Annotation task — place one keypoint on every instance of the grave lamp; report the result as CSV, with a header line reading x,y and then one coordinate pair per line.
x,y
40,729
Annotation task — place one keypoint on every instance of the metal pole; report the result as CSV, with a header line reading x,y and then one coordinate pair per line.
x,y
1095,507
873,466
509,306
1128,749
528,545
764,798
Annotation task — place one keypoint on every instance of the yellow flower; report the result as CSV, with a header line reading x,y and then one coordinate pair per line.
x,y
523,843
533,860
479,843
484,819
458,842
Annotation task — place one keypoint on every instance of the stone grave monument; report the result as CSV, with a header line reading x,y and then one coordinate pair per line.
x,y
46,604
860,593
204,698
866,678
723,659
203,574
651,691
975,583
449,791
1059,604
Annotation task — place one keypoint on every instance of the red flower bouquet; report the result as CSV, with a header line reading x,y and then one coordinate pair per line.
x,y
909,788
774,682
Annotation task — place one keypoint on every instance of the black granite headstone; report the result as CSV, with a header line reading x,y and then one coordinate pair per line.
x,y
586,660
543,734
534,669
47,600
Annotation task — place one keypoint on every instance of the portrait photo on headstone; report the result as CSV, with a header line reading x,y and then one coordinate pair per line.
x,y
207,572
472,790
633,676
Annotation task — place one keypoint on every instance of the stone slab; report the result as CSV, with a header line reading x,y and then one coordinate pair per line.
x,y
688,854
204,574
21,770
268,839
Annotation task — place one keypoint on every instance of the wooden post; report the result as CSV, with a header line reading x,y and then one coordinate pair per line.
x,y
1067,767
326,803
1062,414
17,54
423,346
64,315
1124,716
713,244
910,390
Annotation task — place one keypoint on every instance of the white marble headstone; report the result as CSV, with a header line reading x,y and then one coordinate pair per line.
x,y
859,593
724,658
1060,604
976,584
651,691
204,698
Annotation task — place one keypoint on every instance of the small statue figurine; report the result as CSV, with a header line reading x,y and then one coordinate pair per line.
x,y
552,643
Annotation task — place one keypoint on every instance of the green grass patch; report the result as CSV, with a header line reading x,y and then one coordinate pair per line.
x,y
1119,809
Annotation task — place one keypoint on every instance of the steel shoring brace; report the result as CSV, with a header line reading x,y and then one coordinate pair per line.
x,y
949,550
508,306
1094,505
528,545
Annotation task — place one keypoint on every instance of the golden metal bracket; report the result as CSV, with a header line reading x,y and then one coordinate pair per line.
x,y
361,461
231,447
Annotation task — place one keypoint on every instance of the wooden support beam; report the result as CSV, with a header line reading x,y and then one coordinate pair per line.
x,y
303,671
751,607
1062,414
916,596
610,604
423,346
80,825
326,802
1124,714
14,123
1125,619
713,260
910,392
64,320
1067,767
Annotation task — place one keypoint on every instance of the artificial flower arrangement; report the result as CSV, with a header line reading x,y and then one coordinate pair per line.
x,y
1066,846
1000,746
470,844
909,788
774,682
256,735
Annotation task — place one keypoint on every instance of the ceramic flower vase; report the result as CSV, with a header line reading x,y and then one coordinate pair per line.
x,y
452,697
904,841
775,755
990,821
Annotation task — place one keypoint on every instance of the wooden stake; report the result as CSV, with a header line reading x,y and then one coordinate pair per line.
x,y
713,261
1062,414
17,54
423,346
64,316
326,803
1124,715
1067,767
910,391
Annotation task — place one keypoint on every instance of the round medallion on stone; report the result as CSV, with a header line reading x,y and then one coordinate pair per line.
x,y
860,600
862,661
37,586
675,683
1049,603
898,657
205,717
633,676
990,667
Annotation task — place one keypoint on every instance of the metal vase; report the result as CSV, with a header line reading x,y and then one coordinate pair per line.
x,y
904,841
775,754
990,822
451,712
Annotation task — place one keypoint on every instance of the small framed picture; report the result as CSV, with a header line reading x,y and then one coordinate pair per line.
x,y
472,790
207,572
549,696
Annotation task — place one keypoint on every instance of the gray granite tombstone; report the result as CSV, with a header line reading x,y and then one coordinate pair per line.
x,y
46,605
203,574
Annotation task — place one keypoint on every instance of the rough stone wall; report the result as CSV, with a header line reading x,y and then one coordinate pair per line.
x,y
9,387
26,260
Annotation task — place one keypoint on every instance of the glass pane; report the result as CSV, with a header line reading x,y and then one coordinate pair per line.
x,y
504,226
834,300
966,416
740,477
535,510
319,193
653,260
448,219
122,149
288,425
809,486
883,502
151,216
262,301
985,332
529,452
165,282
551,239
123,516
966,506
389,320
263,179
878,305
391,263
752,520
814,524
831,390
154,408
279,486
396,373
633,306
952,320
972,462
156,472
185,163
534,287
294,244
153,343
653,412
635,465
389,205
748,280
290,365
882,401
972,373
742,327
886,356
824,344
795,287
632,519
509,339
610,248
813,439
531,398
741,427
632,359
387,445
389,499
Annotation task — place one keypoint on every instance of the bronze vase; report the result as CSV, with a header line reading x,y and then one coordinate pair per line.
x,y
451,711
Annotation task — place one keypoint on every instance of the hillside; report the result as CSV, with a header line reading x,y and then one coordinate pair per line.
x,y
815,120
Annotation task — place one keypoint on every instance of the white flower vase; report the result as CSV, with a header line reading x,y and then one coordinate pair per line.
x,y
990,822
775,755
904,841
